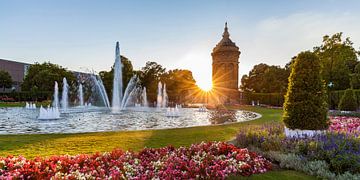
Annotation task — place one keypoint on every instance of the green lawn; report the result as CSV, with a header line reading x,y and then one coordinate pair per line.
x,y
45,145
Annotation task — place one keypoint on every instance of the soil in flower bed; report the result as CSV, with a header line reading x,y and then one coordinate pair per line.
x,y
215,160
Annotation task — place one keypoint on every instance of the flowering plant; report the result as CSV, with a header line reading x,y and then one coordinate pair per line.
x,y
337,147
345,124
213,159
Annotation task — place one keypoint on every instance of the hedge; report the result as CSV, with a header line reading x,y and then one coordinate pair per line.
x,y
25,96
277,99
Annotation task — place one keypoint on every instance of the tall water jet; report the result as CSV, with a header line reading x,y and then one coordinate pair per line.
x,y
81,95
159,96
55,102
100,87
117,83
164,97
129,91
144,98
65,95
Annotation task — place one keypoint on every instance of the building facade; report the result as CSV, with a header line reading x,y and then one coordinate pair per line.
x,y
17,71
225,70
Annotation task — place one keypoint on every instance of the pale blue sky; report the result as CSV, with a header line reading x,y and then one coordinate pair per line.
x,y
178,34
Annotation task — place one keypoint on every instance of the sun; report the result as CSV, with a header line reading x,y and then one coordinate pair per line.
x,y
205,86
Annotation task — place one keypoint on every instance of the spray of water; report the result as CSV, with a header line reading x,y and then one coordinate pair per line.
x,y
100,87
81,95
144,98
65,95
55,102
117,97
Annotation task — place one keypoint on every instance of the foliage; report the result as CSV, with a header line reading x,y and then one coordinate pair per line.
x,y
5,80
271,99
316,168
214,159
41,77
266,79
341,151
179,84
26,96
305,101
108,76
149,77
348,101
338,59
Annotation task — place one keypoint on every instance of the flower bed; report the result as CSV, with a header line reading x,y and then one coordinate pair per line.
x,y
341,151
213,159
345,124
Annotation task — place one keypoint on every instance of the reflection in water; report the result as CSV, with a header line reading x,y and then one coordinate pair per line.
x,y
220,116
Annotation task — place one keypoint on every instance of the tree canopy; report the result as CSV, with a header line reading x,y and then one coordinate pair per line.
x,y
41,77
5,80
179,83
264,78
338,59
305,104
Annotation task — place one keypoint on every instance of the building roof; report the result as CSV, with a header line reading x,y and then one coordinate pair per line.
x,y
225,43
12,61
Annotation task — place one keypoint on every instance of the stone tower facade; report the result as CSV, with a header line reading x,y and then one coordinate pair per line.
x,y
225,70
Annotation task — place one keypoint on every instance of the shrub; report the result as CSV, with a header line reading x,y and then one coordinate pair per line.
x,y
318,168
305,104
348,101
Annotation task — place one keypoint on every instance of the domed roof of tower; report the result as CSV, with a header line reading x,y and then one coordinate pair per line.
x,y
225,43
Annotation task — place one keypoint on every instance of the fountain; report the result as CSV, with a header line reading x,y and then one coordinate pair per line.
x,y
172,112
202,109
130,91
159,96
117,98
65,95
135,115
81,95
100,87
30,105
49,113
144,98
162,97
56,96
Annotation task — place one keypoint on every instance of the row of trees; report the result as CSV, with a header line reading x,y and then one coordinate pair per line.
x,y
41,77
178,82
338,58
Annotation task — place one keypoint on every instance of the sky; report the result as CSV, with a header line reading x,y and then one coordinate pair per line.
x,y
81,34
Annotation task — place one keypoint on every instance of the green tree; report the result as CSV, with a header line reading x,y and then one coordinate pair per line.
x,y
108,76
5,80
149,77
355,77
41,77
338,59
348,101
305,104
264,78
179,83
